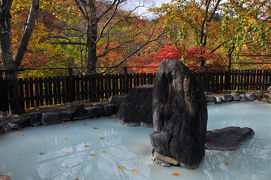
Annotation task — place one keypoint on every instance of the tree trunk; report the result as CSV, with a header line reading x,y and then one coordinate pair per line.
x,y
92,31
10,64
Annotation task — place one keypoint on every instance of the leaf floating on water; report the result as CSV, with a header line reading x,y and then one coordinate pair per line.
x,y
93,155
226,163
95,128
86,145
1,139
77,179
104,151
134,171
175,174
67,127
22,134
66,152
102,138
42,153
85,124
121,167
66,138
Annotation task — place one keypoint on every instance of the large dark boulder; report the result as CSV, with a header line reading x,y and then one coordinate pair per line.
x,y
228,138
179,116
136,108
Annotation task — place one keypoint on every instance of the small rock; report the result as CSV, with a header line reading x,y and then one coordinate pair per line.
x,y
218,99
4,127
94,111
22,121
35,118
210,99
235,96
108,109
227,98
13,126
50,118
78,111
250,96
242,97
67,115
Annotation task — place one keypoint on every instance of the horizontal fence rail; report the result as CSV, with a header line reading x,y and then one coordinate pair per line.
x,y
60,90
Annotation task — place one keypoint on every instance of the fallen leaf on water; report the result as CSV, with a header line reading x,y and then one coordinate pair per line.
x,y
67,127
66,138
226,163
1,139
86,145
121,167
77,179
175,174
66,152
85,124
22,134
104,151
134,171
95,128
102,138
93,155
42,153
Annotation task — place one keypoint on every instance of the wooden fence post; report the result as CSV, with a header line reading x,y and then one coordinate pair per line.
x,y
126,82
4,105
71,88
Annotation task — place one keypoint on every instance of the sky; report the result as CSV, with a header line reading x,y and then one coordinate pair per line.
x,y
143,11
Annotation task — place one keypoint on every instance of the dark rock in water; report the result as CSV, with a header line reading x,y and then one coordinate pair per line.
x,y
108,109
179,115
228,138
136,108
94,111
67,115
116,101
35,118
50,118
227,98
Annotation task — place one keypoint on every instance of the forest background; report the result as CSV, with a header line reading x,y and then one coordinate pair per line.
x,y
103,36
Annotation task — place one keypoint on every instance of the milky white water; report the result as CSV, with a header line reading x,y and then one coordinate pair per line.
x,y
75,151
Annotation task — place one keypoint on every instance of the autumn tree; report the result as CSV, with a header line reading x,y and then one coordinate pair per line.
x,y
191,23
105,29
11,63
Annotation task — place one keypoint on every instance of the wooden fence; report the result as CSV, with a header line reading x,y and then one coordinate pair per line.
x,y
59,90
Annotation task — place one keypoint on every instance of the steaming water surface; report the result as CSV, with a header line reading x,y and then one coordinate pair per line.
x,y
101,149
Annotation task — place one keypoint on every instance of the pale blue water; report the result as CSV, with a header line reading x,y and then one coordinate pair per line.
x,y
130,147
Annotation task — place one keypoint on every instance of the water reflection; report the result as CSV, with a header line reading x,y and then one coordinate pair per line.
x,y
129,147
